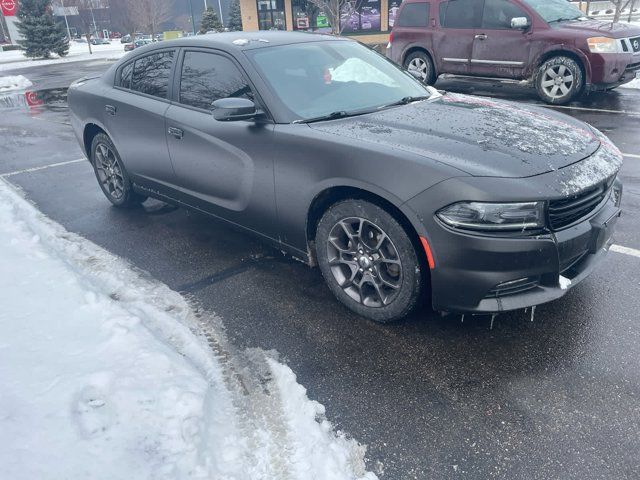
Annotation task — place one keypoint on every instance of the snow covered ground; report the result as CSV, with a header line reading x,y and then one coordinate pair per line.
x,y
77,52
14,82
108,374
632,84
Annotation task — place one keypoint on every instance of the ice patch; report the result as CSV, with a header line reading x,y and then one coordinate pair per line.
x,y
564,282
635,83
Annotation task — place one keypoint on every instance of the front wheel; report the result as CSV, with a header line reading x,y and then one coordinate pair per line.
x,y
559,80
368,260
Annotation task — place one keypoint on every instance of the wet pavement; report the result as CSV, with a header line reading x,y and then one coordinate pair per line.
x,y
556,397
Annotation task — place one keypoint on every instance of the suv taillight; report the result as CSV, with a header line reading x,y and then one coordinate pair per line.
x,y
391,37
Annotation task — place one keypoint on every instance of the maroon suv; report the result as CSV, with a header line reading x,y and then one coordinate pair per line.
x,y
547,43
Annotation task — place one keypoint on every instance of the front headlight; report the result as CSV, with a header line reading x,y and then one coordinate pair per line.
x,y
494,216
602,45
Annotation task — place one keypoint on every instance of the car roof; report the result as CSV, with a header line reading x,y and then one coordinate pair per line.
x,y
244,40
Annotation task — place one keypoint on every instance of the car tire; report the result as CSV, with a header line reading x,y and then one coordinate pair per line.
x,y
369,261
559,80
111,174
421,61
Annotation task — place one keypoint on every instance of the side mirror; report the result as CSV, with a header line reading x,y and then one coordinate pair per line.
x,y
519,22
234,109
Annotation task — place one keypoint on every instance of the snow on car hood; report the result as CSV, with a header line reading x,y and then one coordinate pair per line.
x,y
479,136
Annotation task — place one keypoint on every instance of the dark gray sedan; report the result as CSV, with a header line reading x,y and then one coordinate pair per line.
x,y
329,151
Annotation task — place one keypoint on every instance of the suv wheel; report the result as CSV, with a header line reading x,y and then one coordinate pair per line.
x,y
559,80
368,260
111,174
421,62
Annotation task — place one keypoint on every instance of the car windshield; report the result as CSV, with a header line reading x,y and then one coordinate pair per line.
x,y
317,79
555,10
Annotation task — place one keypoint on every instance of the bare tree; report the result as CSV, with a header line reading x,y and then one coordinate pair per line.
x,y
335,10
121,17
150,14
621,5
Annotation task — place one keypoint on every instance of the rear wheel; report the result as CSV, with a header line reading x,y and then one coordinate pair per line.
x,y
368,260
420,63
111,174
559,80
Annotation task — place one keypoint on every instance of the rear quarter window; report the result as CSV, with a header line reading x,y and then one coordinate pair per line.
x,y
124,77
414,15
151,74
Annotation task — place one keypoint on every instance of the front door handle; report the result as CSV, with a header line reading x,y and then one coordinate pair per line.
x,y
110,109
176,132
481,36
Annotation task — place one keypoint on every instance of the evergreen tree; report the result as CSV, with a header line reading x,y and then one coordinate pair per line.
x,y
234,21
42,35
210,21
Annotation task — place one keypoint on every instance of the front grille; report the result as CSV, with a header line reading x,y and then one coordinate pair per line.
x,y
632,67
568,210
513,287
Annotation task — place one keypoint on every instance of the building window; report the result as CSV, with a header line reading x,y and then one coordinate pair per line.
x,y
271,15
360,16
394,7
308,17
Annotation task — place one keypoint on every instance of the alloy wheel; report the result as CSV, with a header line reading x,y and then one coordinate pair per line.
x,y
364,262
109,171
557,81
419,65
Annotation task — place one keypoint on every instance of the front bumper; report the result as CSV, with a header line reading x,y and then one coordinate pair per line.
x,y
611,70
489,274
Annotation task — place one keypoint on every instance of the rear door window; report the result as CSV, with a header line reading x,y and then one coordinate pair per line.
x,y
498,14
414,15
207,77
151,74
461,13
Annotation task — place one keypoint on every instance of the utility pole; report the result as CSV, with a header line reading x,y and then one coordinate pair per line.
x,y
64,13
95,29
193,19
220,10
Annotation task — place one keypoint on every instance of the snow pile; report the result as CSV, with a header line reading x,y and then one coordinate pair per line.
x,y
102,376
635,83
78,51
14,82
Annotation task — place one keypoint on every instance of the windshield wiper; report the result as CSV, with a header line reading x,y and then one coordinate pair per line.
x,y
332,116
406,101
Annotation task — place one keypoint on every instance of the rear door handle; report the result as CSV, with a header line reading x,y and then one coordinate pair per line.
x,y
481,36
110,109
176,132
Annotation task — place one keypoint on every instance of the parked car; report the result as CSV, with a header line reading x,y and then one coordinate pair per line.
x,y
100,41
125,38
549,44
334,154
137,44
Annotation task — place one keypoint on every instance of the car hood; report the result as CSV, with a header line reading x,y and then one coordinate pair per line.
x,y
601,27
479,136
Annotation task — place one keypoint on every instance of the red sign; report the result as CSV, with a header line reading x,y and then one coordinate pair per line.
x,y
9,7
32,99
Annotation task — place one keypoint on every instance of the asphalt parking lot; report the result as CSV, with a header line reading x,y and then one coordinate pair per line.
x,y
432,397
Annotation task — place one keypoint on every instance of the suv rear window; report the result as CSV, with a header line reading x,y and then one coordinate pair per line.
x,y
461,14
414,15
151,74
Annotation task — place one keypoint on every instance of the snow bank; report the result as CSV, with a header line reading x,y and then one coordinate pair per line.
x,y
14,82
632,84
103,377
77,52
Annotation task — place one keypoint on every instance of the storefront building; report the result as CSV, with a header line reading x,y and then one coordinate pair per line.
x,y
369,20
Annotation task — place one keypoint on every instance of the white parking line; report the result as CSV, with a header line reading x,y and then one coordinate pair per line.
x,y
43,167
626,250
630,155
588,109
